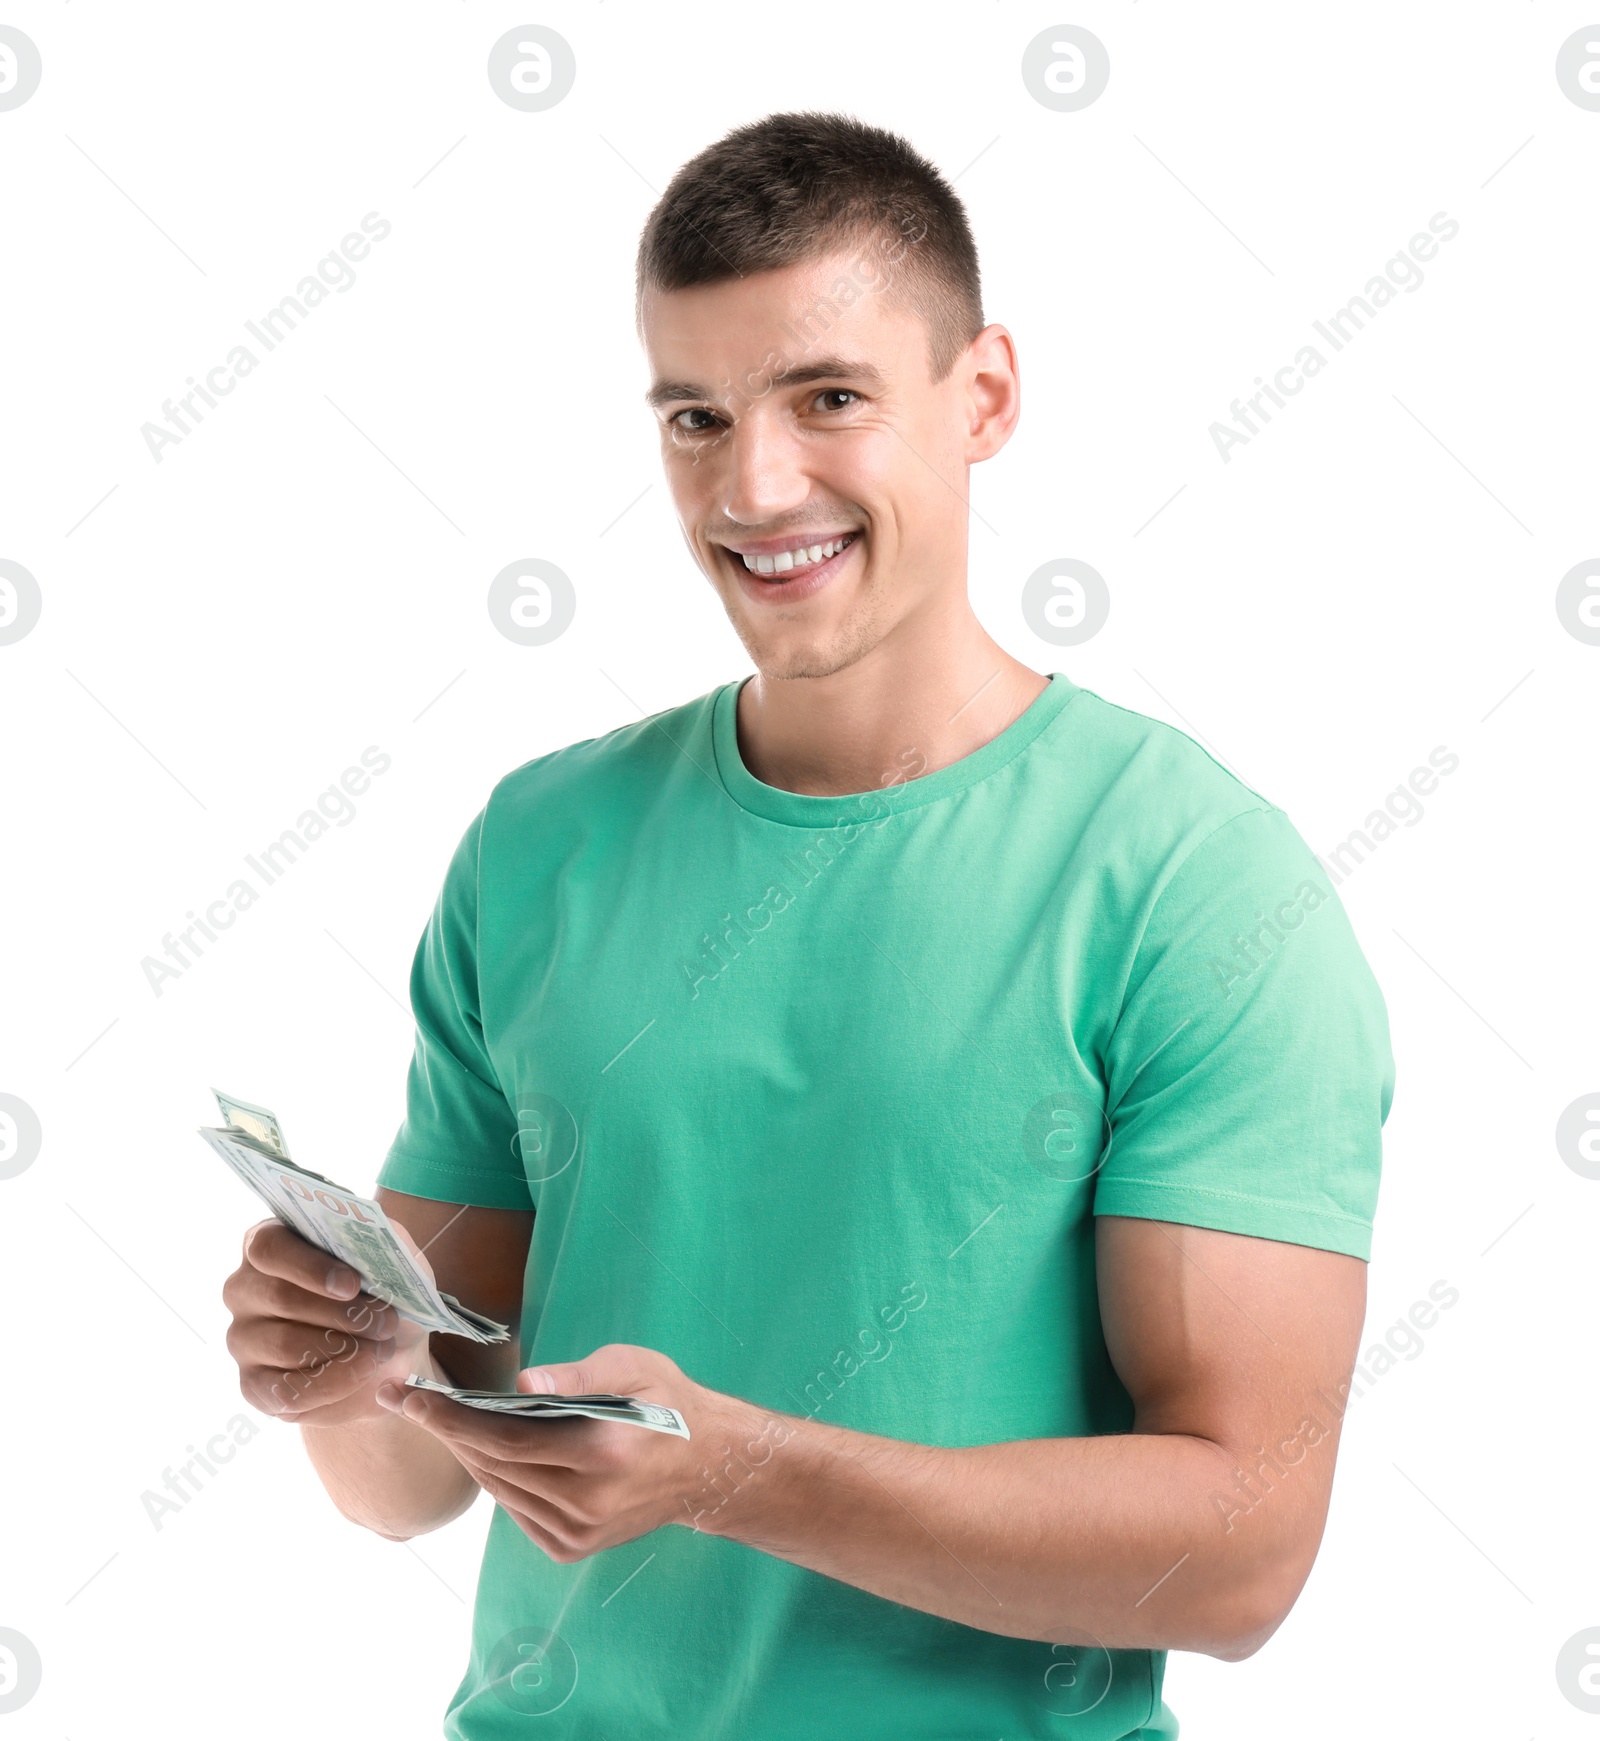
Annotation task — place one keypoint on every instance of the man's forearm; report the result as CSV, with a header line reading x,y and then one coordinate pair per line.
x,y
388,1475
1116,1541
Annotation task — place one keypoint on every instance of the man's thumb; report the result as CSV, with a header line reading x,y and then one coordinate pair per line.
x,y
570,1378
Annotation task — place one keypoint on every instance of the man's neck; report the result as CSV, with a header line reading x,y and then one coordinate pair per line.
x,y
924,697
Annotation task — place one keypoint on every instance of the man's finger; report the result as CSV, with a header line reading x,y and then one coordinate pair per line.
x,y
547,1543
363,1316
305,1348
542,1520
614,1370
566,1378
289,1391
560,1443
270,1247
554,1487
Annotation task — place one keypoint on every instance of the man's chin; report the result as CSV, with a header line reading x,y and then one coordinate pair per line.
x,y
796,666
787,658
791,652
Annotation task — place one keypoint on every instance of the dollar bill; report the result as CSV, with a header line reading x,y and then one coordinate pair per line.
x,y
254,1122
628,1409
352,1229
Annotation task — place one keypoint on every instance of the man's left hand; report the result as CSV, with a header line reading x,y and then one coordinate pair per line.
x,y
575,1486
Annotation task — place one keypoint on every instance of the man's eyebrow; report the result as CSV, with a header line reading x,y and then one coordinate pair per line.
x,y
663,392
823,369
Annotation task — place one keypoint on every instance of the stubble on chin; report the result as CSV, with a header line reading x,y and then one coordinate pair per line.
x,y
785,657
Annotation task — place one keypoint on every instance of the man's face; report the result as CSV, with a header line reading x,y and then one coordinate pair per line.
x,y
819,473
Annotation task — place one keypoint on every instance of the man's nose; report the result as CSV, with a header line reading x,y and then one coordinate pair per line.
x,y
767,477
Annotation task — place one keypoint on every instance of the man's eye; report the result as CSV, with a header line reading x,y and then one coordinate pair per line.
x,y
676,421
835,393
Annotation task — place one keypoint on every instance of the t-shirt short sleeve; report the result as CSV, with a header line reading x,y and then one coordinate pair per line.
x,y
1249,1072
458,1143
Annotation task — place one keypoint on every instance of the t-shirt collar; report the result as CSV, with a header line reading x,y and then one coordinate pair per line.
x,y
811,810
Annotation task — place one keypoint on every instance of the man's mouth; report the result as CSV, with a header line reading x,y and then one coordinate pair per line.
x,y
785,571
786,561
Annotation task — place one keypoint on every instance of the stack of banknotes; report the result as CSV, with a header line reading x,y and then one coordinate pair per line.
x,y
656,1416
356,1231
350,1228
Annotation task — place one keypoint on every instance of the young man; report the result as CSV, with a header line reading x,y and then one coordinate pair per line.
x,y
956,1094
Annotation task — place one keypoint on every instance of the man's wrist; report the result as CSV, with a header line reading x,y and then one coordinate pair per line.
x,y
735,1471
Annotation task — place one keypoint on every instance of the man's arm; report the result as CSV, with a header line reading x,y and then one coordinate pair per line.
x,y
310,1349
1231,1349
1234,1350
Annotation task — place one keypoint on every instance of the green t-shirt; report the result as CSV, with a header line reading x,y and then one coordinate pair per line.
x,y
820,1096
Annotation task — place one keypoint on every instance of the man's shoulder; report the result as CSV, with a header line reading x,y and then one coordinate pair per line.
x,y
1185,836
632,759
1156,803
1128,759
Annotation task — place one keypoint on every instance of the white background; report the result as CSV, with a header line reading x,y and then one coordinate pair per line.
x,y
1372,576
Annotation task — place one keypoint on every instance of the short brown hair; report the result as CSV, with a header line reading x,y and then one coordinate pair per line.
x,y
796,186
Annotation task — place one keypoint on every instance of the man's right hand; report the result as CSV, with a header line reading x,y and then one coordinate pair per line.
x,y
313,1349
310,1346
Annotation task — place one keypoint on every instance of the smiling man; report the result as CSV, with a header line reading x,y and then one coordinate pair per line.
x,y
956,1094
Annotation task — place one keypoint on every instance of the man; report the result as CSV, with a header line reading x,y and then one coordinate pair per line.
x,y
957,1095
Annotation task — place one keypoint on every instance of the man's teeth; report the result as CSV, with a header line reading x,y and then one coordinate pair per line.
x,y
787,559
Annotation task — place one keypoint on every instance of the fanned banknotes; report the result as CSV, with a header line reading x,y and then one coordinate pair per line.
x,y
628,1409
353,1229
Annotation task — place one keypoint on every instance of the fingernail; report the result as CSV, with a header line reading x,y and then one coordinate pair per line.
x,y
342,1283
388,1396
539,1381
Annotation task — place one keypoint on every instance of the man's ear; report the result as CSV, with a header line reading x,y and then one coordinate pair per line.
x,y
993,392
